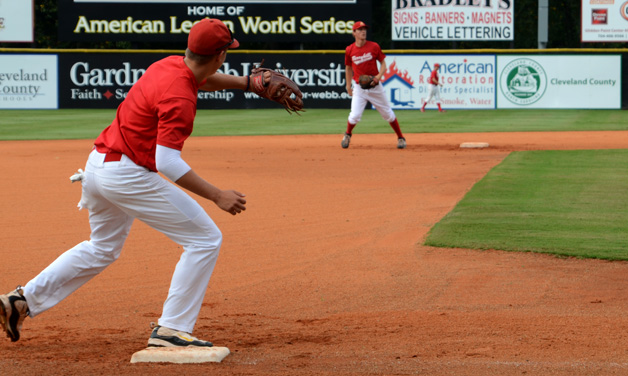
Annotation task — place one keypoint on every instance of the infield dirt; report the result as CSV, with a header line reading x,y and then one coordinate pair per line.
x,y
325,273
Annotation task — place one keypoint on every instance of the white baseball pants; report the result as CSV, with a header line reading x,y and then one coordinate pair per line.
x,y
115,193
433,92
377,97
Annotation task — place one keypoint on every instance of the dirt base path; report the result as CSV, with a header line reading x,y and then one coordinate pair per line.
x,y
325,273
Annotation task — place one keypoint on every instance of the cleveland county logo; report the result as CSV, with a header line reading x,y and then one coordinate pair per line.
x,y
523,81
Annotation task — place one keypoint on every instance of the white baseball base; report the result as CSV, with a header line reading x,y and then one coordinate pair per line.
x,y
180,355
474,145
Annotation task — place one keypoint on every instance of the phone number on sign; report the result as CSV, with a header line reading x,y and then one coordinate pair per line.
x,y
612,36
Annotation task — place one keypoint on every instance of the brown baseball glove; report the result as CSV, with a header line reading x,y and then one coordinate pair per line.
x,y
279,89
367,81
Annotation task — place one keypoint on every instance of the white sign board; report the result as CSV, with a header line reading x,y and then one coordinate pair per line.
x,y
29,82
472,20
16,21
604,21
468,81
564,81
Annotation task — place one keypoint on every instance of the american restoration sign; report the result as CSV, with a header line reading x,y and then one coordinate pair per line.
x,y
468,81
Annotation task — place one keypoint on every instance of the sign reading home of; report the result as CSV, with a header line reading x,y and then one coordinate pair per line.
x,y
251,21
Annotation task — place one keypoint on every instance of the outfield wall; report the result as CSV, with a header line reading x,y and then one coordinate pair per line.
x,y
486,79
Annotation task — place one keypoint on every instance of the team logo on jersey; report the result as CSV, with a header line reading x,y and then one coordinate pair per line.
x,y
357,60
523,81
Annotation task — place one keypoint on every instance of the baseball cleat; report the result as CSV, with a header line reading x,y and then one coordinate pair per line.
x,y
166,337
345,141
13,311
401,143
422,109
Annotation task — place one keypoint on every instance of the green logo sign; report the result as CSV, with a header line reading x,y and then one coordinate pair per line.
x,y
523,81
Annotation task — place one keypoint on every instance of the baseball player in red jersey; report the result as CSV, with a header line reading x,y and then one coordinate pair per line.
x,y
361,58
434,89
121,183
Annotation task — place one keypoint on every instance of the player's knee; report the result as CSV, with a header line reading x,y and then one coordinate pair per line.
x,y
105,252
389,117
217,238
211,241
353,119
205,251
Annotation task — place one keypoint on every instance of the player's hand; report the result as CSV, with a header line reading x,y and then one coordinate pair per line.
x,y
231,201
349,90
266,75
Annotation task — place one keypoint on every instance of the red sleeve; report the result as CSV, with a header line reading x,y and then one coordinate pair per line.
x,y
176,121
380,55
434,77
348,60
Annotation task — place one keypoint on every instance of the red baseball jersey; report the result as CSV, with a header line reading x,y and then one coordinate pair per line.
x,y
364,59
159,109
434,77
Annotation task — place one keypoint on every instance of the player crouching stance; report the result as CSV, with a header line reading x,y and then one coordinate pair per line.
x,y
121,183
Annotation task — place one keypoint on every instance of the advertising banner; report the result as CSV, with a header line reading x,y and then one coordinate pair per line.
x,y
16,21
565,81
444,20
250,21
103,80
604,21
468,80
28,82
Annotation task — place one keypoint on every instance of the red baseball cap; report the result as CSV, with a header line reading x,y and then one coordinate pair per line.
x,y
359,25
209,36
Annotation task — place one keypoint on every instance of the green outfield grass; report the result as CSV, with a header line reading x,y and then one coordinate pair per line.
x,y
568,203
87,124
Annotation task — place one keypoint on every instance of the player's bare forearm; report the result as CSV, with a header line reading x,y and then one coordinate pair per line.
x,y
221,81
382,70
230,201
348,78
